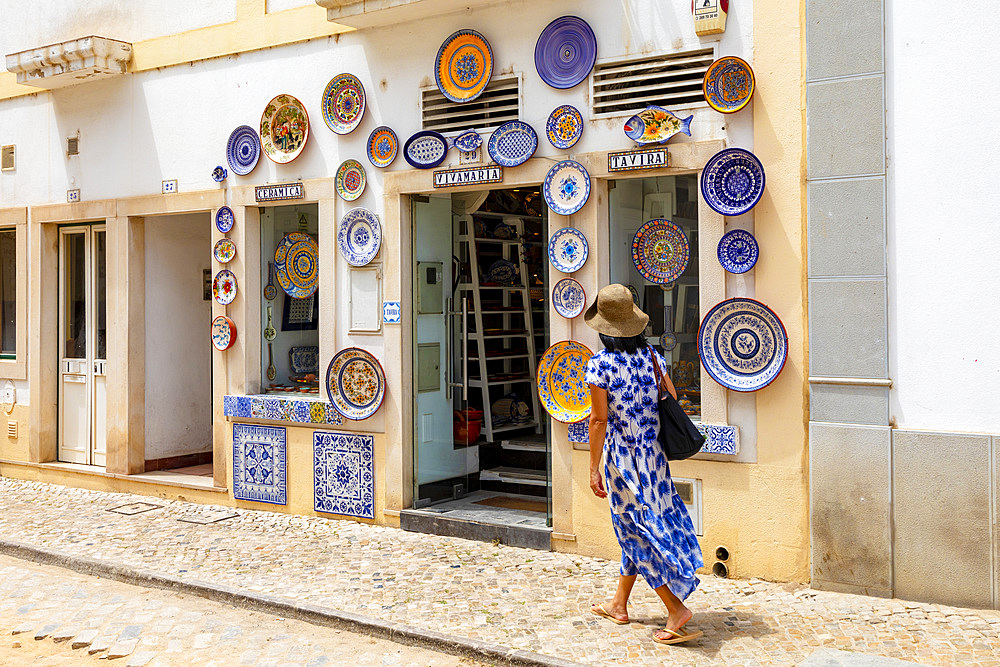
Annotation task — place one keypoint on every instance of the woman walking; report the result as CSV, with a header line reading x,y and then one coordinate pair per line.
x,y
653,527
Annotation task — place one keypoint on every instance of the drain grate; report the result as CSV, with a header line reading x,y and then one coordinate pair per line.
x,y
204,517
134,508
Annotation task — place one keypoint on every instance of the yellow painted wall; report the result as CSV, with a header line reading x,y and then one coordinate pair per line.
x,y
15,449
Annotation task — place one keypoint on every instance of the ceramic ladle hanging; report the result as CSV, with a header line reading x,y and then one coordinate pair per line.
x,y
270,291
269,335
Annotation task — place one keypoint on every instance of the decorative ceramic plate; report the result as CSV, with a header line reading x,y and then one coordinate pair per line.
x,y
568,298
568,250
463,66
654,125
224,219
219,174
668,341
304,358
296,265
512,143
738,251
564,127
243,150
223,333
425,149
359,236
382,146
355,382
224,287
284,129
635,294
224,251
343,103
733,181
561,386
728,84
565,52
743,344
504,272
660,251
468,141
350,180
566,187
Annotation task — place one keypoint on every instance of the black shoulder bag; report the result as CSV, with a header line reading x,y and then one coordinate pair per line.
x,y
679,437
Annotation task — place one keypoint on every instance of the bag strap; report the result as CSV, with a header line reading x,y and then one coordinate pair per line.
x,y
660,389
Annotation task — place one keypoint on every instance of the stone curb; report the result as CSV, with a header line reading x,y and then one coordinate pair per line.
x,y
285,608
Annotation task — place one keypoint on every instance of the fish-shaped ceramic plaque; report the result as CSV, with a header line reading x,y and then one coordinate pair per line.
x,y
654,125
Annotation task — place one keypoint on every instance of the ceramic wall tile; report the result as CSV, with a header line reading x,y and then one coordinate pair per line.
x,y
718,439
276,408
344,473
579,432
259,463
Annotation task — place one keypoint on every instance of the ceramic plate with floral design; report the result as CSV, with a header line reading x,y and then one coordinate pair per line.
x,y
464,65
296,265
223,333
383,144
224,251
733,181
224,219
568,250
728,84
564,127
359,236
350,180
224,287
568,298
566,187
343,103
742,344
355,383
561,381
660,251
284,129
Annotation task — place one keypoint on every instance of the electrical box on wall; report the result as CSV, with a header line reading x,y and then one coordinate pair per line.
x,y
709,16
430,288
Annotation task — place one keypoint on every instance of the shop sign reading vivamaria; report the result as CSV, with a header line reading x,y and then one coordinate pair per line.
x,y
444,178
279,192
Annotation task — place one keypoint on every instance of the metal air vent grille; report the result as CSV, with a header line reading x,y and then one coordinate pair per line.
x,y
7,158
499,103
73,146
630,85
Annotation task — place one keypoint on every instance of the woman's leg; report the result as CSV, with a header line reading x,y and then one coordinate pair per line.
x,y
678,613
618,607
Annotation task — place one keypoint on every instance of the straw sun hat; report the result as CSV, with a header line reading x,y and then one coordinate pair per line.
x,y
614,313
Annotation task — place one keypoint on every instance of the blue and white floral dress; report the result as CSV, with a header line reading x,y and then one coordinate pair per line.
x,y
653,527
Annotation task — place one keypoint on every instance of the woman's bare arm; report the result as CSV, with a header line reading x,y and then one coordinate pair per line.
x,y
598,430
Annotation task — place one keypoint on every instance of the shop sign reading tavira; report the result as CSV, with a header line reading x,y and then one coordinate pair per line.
x,y
444,178
646,158
279,192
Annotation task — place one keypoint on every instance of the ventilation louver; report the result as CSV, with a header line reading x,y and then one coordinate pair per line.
x,y
7,158
629,86
73,146
499,103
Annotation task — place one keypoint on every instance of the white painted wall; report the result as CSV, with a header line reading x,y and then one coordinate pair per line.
x,y
178,345
944,242
42,23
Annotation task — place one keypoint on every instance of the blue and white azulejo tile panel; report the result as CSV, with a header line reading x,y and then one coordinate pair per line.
x,y
344,473
279,408
718,439
259,472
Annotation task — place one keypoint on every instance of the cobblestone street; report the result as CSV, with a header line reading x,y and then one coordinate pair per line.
x,y
518,598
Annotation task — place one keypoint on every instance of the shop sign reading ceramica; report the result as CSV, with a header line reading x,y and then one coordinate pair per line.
x,y
646,158
279,192
444,178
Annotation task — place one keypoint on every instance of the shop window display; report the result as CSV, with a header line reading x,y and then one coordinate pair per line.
x,y
673,307
8,292
289,265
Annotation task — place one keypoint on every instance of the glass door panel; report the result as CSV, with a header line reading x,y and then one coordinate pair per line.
x,y
100,403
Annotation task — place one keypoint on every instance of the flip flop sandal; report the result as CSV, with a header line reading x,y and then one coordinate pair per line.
x,y
601,611
678,636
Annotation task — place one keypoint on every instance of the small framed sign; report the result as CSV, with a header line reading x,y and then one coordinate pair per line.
x,y
645,158
444,178
279,192
392,313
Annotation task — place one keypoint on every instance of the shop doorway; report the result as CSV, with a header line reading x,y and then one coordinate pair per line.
x,y
83,344
480,304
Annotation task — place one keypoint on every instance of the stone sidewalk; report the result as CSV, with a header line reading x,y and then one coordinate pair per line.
x,y
517,598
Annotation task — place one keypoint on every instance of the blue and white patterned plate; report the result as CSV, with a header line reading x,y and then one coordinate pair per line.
x,y
568,298
304,358
224,219
564,127
468,141
742,344
512,143
738,251
243,150
733,181
503,272
566,187
668,341
561,381
359,236
425,149
382,146
568,250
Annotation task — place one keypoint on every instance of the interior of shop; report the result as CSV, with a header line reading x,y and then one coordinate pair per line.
x,y
481,306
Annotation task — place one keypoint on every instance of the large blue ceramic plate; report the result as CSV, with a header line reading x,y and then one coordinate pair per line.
x,y
566,187
512,143
568,250
742,344
565,52
425,149
738,251
359,236
733,181
243,150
